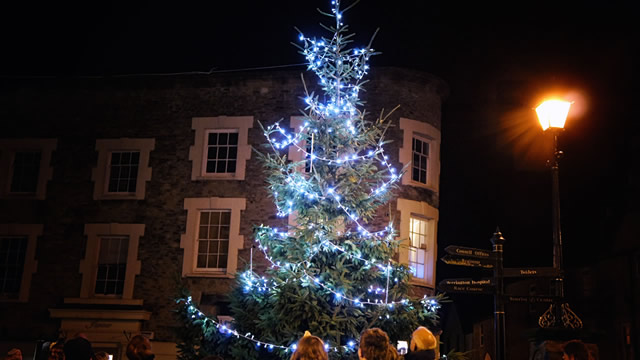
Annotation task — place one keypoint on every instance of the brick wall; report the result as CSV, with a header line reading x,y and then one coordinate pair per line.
x,y
79,111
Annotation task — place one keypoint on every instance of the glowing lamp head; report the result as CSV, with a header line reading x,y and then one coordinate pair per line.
x,y
553,113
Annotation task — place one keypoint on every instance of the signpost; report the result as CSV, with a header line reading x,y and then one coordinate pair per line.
x,y
531,272
470,286
464,261
531,299
469,252
492,260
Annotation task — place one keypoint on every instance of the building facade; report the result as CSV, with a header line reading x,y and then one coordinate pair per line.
x,y
117,192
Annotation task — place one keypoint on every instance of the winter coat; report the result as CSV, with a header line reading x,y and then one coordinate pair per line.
x,y
421,355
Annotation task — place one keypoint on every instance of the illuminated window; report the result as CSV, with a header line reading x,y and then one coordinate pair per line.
x,y
418,232
420,163
12,256
213,239
221,151
417,251
112,265
123,171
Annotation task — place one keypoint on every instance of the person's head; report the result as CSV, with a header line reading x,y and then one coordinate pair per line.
x,y
102,355
393,354
310,348
374,345
575,350
139,348
56,351
78,348
422,339
14,354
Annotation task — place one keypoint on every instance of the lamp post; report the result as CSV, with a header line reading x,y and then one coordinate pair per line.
x,y
552,115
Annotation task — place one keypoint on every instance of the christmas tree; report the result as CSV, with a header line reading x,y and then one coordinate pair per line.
x,y
332,273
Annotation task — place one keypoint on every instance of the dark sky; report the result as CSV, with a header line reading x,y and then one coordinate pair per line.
x,y
478,48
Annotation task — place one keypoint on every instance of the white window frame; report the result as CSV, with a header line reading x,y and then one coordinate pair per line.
x,y
427,133
31,232
198,239
100,173
422,210
419,249
189,240
8,150
198,152
89,265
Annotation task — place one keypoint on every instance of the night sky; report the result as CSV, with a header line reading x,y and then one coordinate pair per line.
x,y
493,171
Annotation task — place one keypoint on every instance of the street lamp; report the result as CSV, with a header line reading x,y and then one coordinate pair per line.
x,y
552,115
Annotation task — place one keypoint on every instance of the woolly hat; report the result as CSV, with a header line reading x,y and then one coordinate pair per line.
x,y
422,339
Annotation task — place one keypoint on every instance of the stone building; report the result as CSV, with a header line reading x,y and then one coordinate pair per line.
x,y
105,184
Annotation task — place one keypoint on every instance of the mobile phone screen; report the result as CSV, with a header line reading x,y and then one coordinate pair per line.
x,y
402,347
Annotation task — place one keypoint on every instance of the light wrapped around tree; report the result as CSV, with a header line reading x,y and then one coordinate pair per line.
x,y
333,272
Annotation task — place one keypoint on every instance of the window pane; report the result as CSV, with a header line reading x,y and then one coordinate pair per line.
x,y
221,166
224,232
233,138
217,234
202,261
123,173
223,138
213,138
233,152
225,217
204,232
418,146
222,261
213,247
211,166
231,166
204,217
214,231
112,265
212,152
203,247
222,152
215,217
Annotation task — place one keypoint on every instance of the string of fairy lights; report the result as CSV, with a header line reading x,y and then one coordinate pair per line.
x,y
340,73
302,187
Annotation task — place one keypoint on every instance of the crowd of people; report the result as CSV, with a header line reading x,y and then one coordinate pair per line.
x,y
79,348
374,345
